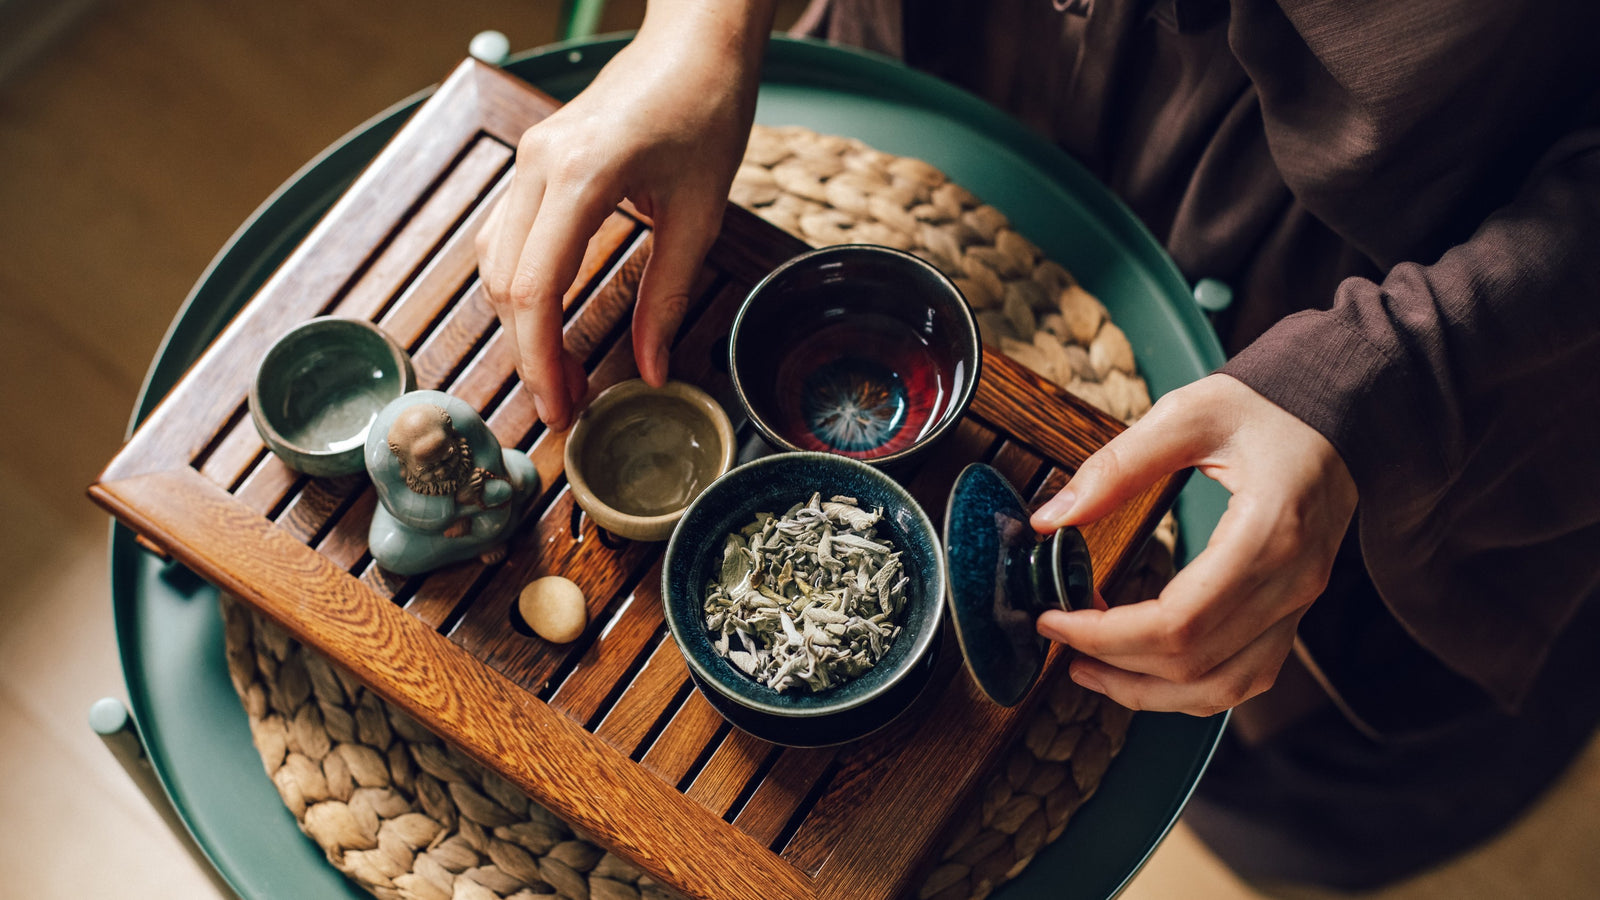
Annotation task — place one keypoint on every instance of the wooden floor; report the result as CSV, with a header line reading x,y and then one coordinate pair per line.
x,y
129,152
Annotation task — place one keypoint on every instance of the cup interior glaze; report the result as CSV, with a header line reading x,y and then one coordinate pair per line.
x,y
637,456
857,350
772,484
320,386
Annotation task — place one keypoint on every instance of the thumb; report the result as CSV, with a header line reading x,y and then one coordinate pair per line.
x,y
681,239
1174,434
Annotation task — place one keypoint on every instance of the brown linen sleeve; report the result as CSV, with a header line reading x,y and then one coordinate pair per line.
x,y
1454,143
1465,398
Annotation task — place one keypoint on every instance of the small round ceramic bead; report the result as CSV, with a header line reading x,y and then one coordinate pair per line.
x,y
554,608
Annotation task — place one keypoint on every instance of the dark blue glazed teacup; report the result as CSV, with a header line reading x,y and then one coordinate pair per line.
x,y
856,350
772,484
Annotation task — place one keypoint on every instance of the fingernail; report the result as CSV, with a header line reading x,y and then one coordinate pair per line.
x,y
1047,630
1088,680
539,407
1058,506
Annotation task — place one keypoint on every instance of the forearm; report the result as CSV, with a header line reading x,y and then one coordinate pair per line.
x,y
730,30
711,47
699,61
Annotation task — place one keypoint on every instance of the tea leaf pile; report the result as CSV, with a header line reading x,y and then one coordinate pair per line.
x,y
809,599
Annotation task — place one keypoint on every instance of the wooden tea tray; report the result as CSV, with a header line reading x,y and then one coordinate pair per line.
x,y
607,732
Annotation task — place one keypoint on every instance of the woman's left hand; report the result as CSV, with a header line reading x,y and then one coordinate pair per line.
x,y
1222,627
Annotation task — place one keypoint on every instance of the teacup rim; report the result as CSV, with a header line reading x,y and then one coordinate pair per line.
x,y
263,421
615,394
969,321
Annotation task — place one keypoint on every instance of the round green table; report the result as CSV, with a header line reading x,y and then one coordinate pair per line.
x,y
168,627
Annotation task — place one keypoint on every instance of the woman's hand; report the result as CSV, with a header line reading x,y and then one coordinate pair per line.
x,y
664,125
1220,630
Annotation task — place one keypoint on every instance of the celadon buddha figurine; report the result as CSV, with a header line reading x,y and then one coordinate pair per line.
x,y
447,491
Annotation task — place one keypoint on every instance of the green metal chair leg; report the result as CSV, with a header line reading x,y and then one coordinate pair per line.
x,y
583,18
110,719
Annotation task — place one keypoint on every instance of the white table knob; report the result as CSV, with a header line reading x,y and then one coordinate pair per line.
x,y
490,47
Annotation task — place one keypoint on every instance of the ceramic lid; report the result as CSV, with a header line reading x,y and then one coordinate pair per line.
x,y
1001,576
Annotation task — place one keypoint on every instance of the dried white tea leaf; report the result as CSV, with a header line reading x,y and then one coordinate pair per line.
x,y
810,599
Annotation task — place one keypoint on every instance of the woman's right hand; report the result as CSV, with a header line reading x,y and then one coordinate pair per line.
x,y
664,125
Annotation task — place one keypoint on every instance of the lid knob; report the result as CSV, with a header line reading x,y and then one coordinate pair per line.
x,y
1001,576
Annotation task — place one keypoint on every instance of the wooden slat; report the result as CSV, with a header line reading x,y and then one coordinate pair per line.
x,y
345,544
1018,464
235,444
618,231
450,358
442,214
384,584
321,498
652,691
608,659
414,313
1054,481
860,768
685,739
728,772
782,791
267,482
459,262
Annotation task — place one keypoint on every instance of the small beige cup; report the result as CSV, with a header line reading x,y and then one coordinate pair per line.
x,y
638,455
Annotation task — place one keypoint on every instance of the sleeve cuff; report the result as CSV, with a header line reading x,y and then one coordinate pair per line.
x,y
1322,368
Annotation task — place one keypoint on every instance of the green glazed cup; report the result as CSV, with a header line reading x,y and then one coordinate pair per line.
x,y
318,389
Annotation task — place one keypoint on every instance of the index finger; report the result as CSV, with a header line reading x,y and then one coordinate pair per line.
x,y
1177,432
545,269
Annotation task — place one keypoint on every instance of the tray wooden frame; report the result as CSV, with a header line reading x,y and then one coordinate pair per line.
x,y
607,732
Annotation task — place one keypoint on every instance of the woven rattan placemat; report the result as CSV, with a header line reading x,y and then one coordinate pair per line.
x,y
407,816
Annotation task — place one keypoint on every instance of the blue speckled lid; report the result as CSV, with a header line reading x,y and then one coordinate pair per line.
x,y
1001,576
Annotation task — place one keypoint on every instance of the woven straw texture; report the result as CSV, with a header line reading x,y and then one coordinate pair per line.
x,y
407,816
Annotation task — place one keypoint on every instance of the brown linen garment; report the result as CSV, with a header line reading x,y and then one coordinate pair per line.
x,y
1406,198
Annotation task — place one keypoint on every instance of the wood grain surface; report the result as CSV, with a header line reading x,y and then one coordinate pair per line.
x,y
607,731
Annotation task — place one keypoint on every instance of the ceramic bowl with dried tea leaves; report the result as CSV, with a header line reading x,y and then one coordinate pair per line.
x,y
852,678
